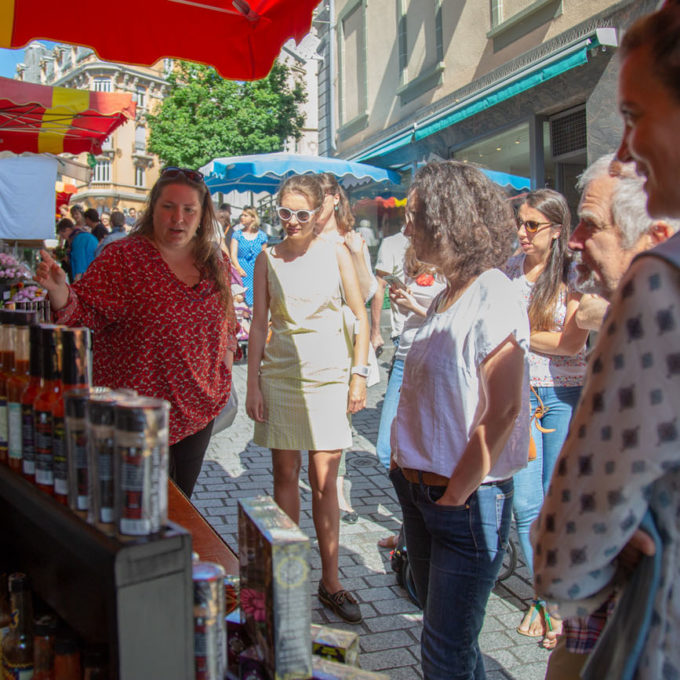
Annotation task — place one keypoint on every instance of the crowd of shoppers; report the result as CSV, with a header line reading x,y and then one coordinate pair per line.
x,y
491,405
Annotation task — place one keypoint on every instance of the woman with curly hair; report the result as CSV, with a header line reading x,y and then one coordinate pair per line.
x,y
160,306
462,424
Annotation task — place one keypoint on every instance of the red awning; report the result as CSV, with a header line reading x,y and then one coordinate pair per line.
x,y
41,119
240,38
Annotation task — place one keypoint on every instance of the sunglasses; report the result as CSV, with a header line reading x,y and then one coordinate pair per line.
x,y
532,227
302,216
173,171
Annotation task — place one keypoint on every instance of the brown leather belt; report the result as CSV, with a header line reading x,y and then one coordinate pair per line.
x,y
429,478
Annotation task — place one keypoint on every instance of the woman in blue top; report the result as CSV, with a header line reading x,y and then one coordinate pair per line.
x,y
246,244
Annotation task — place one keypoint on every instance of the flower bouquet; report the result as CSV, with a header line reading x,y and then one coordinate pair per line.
x,y
12,269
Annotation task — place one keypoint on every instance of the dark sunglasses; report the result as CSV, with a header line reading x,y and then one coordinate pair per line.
x,y
532,227
173,171
302,216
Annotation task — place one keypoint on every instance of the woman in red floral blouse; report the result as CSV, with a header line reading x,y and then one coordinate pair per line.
x,y
160,306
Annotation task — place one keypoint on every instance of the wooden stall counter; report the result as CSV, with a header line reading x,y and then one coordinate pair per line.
x,y
210,546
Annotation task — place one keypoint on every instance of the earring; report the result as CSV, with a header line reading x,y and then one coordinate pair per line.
x,y
336,207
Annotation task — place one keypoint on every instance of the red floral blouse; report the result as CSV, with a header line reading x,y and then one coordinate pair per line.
x,y
154,333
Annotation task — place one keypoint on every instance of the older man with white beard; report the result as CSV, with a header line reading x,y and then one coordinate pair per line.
x,y
613,227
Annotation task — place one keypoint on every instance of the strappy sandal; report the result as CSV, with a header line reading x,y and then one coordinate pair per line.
x,y
537,609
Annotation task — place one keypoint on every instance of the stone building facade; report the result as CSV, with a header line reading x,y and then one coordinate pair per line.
x,y
525,89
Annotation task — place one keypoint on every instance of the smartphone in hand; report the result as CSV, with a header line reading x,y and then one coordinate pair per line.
x,y
394,281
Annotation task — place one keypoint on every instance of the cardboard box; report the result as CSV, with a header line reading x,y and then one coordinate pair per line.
x,y
275,601
331,670
335,644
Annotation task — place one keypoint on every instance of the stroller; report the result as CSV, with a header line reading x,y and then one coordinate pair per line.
x,y
243,313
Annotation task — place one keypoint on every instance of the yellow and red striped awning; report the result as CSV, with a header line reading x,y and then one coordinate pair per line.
x,y
39,118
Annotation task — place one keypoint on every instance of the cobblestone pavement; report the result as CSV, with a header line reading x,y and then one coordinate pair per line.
x,y
236,468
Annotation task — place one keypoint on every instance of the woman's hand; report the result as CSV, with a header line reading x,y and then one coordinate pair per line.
x,y
255,404
241,271
404,300
354,242
49,274
357,394
52,277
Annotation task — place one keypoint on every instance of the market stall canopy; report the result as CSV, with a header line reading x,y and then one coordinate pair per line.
x,y
27,196
264,172
39,118
240,38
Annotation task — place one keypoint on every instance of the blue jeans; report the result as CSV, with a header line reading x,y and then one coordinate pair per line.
x,y
455,555
389,411
531,483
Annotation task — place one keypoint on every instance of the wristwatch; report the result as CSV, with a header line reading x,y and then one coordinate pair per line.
x,y
360,370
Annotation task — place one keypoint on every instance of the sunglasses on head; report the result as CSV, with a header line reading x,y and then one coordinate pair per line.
x,y
173,171
531,226
302,216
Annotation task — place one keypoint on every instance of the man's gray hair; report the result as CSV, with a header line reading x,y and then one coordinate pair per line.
x,y
629,202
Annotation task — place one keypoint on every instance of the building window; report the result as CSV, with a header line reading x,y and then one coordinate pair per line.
x,y
140,97
421,47
102,172
107,144
140,177
102,85
140,139
352,63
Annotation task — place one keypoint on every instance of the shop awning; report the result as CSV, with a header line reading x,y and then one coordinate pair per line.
x,y
524,79
240,38
265,172
40,119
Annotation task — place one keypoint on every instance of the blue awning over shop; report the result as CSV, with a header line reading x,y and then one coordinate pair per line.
x,y
505,179
563,60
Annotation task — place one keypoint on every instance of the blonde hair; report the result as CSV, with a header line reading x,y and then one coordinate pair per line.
x,y
253,213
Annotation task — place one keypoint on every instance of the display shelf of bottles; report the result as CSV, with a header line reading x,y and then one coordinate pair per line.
x,y
136,597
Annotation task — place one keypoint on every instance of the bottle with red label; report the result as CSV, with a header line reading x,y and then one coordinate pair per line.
x,y
17,645
43,405
43,647
28,397
75,373
16,384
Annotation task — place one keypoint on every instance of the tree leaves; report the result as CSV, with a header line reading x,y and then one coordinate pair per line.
x,y
204,116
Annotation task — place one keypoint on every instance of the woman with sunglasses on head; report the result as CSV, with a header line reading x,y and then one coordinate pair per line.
x,y
557,363
302,385
462,424
246,244
160,306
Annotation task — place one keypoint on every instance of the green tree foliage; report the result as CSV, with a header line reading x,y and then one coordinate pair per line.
x,y
204,116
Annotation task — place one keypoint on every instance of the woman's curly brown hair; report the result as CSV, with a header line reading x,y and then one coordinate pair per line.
x,y
465,216
206,252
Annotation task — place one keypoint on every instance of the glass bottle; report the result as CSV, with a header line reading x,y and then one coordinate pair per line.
x,y
95,663
42,407
66,658
28,396
75,373
43,648
16,384
17,646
